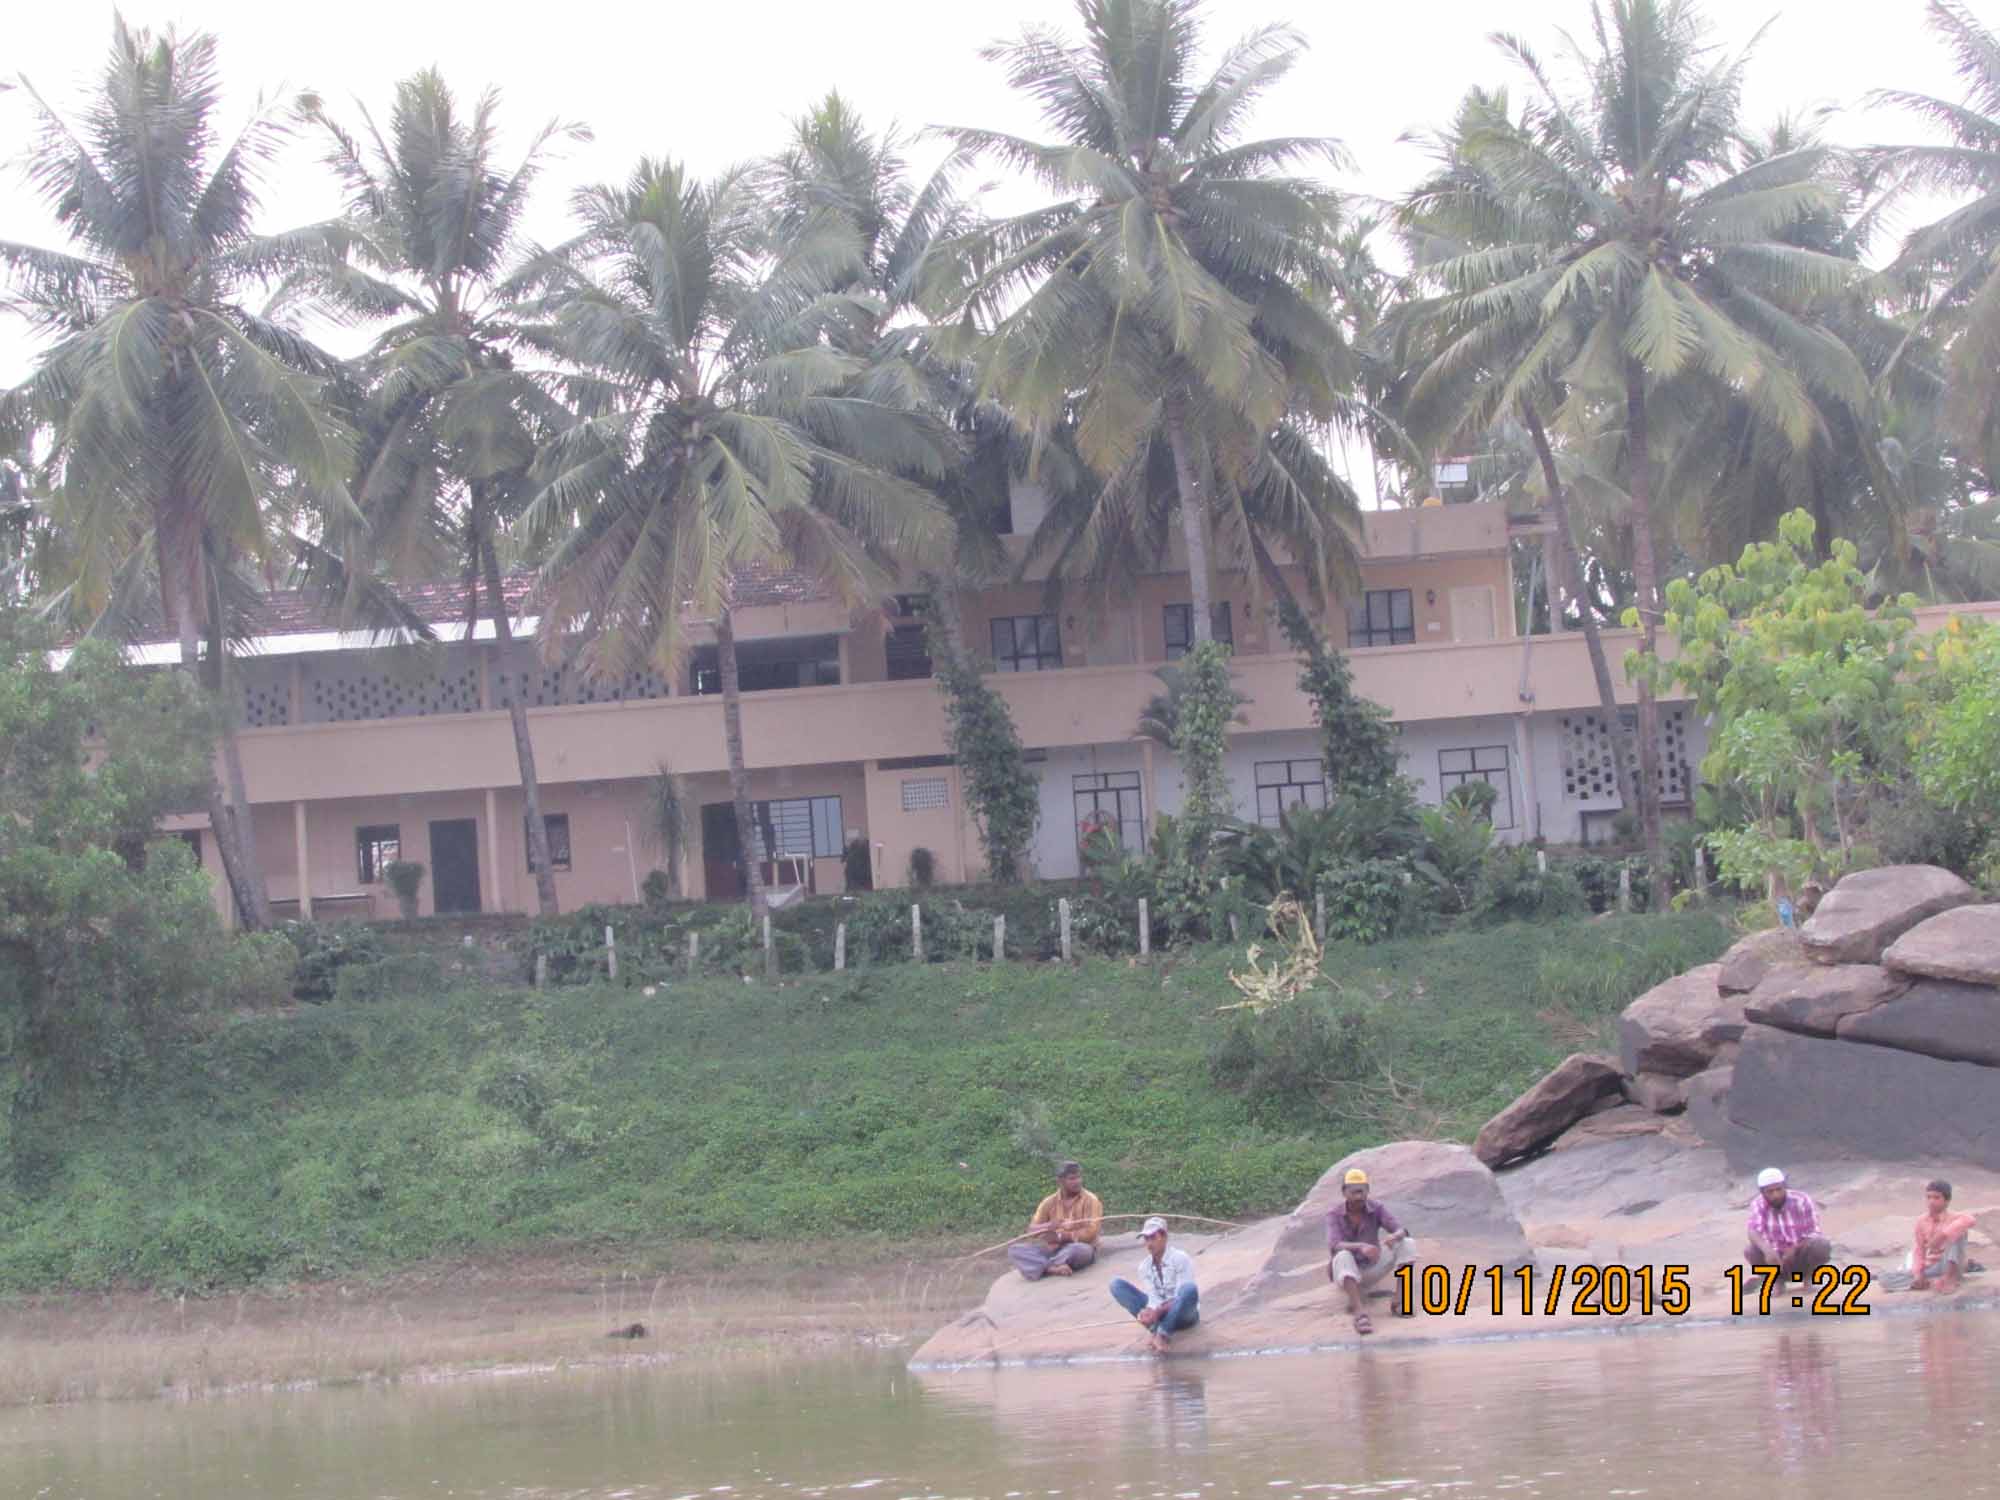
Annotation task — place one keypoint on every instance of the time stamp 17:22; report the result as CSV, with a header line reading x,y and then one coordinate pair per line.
x,y
1616,1291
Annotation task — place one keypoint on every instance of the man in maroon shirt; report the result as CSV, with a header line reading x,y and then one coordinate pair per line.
x,y
1364,1243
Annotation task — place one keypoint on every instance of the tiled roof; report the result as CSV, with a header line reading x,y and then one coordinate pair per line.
x,y
281,612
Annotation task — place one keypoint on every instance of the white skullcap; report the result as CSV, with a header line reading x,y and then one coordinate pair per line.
x,y
1770,1177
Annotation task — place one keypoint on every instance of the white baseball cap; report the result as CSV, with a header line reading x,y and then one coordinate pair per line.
x,y
1770,1177
1153,1226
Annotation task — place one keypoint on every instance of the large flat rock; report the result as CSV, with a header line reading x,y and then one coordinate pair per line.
x,y
1676,1028
1814,998
1870,909
1937,1017
1563,1095
1802,1098
1961,944
1749,959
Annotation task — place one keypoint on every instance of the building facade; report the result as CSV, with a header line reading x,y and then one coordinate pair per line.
x,y
356,754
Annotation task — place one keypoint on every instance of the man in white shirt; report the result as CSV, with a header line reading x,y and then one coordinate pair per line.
x,y
1165,1300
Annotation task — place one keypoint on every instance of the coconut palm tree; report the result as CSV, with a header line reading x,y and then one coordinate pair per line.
x,y
1640,265
1173,303
1954,262
723,424
183,418
449,425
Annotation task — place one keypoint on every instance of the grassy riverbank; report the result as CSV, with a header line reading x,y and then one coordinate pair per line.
x,y
902,1104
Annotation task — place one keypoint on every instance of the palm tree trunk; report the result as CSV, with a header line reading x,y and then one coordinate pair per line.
x,y
739,778
1571,572
524,745
1194,519
246,885
1646,578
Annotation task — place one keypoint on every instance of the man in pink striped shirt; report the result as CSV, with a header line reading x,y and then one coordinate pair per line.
x,y
1784,1227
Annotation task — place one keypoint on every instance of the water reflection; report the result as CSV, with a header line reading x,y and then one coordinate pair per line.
x,y
1828,1409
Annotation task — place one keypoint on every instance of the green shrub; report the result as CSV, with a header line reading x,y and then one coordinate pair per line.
x,y
251,970
656,890
857,864
923,868
1511,888
323,949
395,977
1367,900
1292,1060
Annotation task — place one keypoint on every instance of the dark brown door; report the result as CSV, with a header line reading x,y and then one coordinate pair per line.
x,y
455,865
721,852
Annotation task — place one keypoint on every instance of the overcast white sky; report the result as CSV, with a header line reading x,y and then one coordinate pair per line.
x,y
716,83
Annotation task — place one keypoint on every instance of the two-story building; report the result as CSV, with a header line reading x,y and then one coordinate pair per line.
x,y
356,753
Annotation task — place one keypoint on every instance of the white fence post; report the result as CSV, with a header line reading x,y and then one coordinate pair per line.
x,y
1541,861
1235,928
611,951
999,937
541,970
1319,917
770,950
694,953
839,947
1625,887
1062,923
1145,929
916,933
1700,872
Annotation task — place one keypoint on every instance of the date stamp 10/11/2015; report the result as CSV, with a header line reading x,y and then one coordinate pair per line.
x,y
1618,1291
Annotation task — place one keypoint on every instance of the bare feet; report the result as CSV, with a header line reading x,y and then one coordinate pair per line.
x,y
1160,1345
1060,1271
1363,1324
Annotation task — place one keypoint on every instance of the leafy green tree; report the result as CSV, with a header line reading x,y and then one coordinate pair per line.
x,y
108,931
1642,269
1002,792
1957,739
1200,741
1357,737
1811,696
191,428
723,423
1172,306
1955,260
449,424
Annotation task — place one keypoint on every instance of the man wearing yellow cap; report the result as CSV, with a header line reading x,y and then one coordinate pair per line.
x,y
1364,1243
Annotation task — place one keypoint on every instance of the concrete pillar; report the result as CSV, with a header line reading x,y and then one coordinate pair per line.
x,y
305,863
495,898
297,688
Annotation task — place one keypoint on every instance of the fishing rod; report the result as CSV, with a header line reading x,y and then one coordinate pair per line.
x,y
1035,1234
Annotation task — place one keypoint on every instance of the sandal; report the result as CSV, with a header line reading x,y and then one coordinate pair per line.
x,y
1363,1324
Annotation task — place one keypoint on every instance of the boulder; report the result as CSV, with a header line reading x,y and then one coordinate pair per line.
x,y
1937,1017
1676,1027
1708,1103
1870,909
1446,1195
1962,944
1814,998
1750,959
1564,1095
1660,1093
1618,1124
1805,1098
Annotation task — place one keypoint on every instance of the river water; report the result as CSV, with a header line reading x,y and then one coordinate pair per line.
x,y
1831,1409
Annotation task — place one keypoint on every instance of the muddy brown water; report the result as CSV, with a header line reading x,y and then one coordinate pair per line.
x,y
1825,1408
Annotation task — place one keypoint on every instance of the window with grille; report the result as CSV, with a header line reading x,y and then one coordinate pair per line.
x,y
1382,617
808,827
1179,621
1285,784
1487,763
376,845
557,826
1110,800
1026,643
